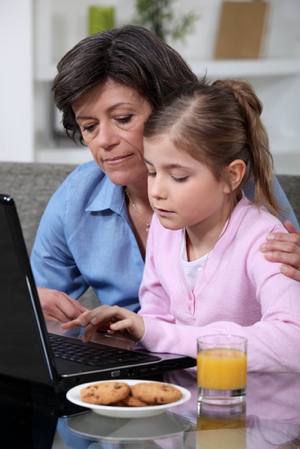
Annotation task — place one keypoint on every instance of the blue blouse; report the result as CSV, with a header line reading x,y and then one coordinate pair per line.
x,y
85,239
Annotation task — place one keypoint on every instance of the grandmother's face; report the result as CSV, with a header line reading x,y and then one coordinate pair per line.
x,y
111,118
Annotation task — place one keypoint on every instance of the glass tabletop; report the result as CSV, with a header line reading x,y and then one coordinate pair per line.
x,y
270,418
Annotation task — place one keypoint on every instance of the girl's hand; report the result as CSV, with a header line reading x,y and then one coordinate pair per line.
x,y
285,249
110,318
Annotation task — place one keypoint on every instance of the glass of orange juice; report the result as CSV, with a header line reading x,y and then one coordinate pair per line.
x,y
221,369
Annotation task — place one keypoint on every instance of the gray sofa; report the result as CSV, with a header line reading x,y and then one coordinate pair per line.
x,y
32,184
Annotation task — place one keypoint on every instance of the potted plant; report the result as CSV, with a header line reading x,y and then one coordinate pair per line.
x,y
158,16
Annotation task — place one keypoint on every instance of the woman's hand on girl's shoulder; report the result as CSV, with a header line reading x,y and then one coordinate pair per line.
x,y
284,248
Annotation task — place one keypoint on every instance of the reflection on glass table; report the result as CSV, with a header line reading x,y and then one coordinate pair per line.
x,y
270,418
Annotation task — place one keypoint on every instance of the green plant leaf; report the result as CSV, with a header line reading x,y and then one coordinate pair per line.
x,y
158,16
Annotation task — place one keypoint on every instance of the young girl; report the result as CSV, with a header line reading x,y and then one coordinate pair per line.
x,y
204,271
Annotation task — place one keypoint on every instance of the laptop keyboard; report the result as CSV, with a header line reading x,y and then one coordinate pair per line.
x,y
100,356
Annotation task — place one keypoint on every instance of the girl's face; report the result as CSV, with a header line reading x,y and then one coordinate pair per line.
x,y
111,119
182,191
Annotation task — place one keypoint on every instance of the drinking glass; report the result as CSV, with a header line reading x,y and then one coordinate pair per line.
x,y
221,369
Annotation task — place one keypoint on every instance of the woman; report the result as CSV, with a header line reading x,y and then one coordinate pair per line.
x,y
94,230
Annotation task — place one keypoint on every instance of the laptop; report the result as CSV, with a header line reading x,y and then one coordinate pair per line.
x,y
26,348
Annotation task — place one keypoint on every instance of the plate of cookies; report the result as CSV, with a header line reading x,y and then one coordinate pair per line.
x,y
129,398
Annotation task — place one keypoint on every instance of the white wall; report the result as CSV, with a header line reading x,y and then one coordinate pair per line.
x,y
43,30
16,81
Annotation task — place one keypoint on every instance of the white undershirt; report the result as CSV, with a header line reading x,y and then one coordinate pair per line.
x,y
191,269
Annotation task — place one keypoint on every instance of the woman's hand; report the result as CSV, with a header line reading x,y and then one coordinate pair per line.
x,y
285,249
58,306
110,318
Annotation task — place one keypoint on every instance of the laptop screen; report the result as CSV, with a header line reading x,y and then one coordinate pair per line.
x,y
22,353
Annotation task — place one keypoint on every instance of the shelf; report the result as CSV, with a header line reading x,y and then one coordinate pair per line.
x,y
63,155
218,68
247,68
287,164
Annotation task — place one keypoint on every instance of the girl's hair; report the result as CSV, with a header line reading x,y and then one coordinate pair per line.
x,y
217,123
130,55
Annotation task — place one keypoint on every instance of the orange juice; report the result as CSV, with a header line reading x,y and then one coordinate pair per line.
x,y
222,369
225,433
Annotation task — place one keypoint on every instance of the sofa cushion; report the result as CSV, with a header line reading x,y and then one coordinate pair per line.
x,y
31,185
291,187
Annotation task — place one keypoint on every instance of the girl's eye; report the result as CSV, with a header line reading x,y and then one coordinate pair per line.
x,y
185,178
151,174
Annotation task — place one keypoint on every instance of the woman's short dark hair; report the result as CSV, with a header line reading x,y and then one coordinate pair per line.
x,y
130,55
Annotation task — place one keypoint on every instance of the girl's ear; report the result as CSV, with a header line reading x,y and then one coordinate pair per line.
x,y
235,174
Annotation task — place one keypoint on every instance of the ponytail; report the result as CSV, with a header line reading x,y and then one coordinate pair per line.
x,y
261,161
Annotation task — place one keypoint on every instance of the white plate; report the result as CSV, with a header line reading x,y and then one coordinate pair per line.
x,y
73,395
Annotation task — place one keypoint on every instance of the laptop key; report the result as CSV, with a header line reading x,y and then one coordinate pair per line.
x,y
100,356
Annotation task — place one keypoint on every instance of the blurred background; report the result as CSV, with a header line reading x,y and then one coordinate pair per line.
x,y
35,34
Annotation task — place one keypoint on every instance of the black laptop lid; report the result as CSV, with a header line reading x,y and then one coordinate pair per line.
x,y
23,337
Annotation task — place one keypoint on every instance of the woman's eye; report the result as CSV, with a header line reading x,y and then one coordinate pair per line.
x,y
124,119
151,174
88,128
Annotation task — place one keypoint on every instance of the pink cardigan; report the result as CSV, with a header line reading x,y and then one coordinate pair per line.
x,y
238,292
